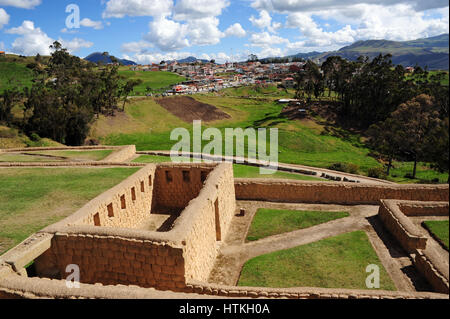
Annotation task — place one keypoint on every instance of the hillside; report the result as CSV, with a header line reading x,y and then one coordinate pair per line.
x,y
432,52
105,58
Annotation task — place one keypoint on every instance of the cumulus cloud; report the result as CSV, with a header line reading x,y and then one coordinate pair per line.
x,y
289,6
32,41
88,23
139,47
199,9
204,31
168,35
4,18
235,30
75,44
134,8
264,39
24,4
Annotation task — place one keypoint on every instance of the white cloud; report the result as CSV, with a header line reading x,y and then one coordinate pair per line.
x,y
88,23
32,41
168,35
134,8
264,21
289,6
199,9
235,30
265,39
204,31
75,44
24,4
139,47
4,18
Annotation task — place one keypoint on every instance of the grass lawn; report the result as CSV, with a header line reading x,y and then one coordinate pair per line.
x,y
424,173
269,222
13,74
154,80
21,158
337,262
148,126
33,198
240,171
439,229
91,155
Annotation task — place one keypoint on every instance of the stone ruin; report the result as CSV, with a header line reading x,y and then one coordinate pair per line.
x,y
158,234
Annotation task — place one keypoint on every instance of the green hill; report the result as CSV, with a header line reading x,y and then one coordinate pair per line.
x,y
432,52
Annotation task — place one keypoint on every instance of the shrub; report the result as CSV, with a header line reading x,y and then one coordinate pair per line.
x,y
409,176
377,172
345,167
35,137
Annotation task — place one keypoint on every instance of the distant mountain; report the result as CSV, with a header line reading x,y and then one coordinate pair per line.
x,y
432,52
105,58
191,59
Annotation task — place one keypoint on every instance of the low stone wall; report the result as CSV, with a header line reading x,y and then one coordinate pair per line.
x,y
394,215
335,193
123,154
304,292
205,222
112,260
412,208
431,266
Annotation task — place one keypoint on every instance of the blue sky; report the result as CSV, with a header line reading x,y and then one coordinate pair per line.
x,y
152,30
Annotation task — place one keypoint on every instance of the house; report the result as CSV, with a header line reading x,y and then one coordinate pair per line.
x,y
289,82
2,53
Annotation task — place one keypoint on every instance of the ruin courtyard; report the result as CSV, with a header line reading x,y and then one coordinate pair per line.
x,y
183,231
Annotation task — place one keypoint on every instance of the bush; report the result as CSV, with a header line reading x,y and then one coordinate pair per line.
x,y
344,167
377,172
409,176
35,137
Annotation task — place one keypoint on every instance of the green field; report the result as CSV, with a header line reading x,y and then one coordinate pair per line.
x,y
337,262
439,229
33,198
269,222
148,126
85,155
154,80
14,74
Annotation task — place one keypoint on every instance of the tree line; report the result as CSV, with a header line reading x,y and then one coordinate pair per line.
x,y
403,117
66,96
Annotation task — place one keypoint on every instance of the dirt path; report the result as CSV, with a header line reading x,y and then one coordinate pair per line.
x,y
235,251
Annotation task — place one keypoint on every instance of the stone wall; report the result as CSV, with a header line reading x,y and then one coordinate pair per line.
x,y
433,269
335,193
176,184
206,222
112,260
398,224
119,252
126,205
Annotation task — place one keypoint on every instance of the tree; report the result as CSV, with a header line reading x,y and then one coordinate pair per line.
x,y
252,58
7,101
418,120
128,88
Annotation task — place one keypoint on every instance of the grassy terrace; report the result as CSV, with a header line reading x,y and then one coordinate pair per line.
x,y
269,222
154,80
33,198
87,155
240,171
439,229
337,262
